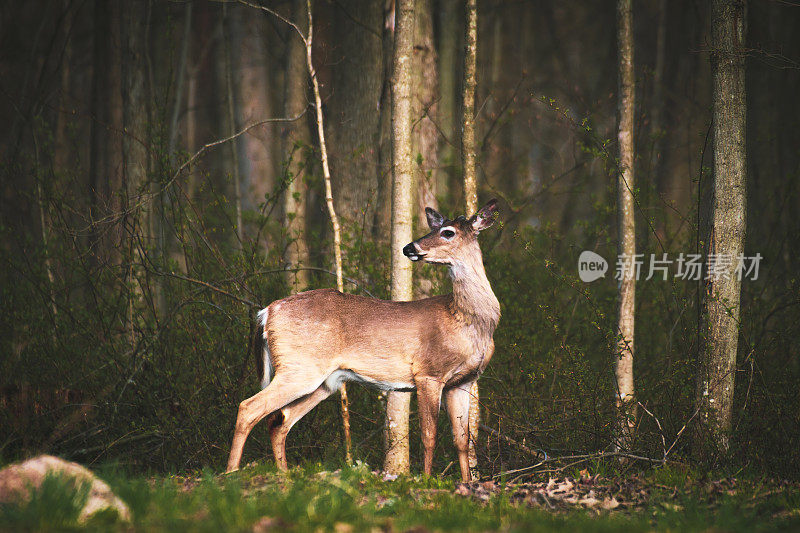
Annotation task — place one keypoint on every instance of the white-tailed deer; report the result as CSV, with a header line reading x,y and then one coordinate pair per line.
x,y
315,340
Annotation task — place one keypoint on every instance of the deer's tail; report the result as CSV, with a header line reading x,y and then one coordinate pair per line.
x,y
263,359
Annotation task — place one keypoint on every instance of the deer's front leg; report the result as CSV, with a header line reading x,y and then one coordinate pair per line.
x,y
429,396
457,400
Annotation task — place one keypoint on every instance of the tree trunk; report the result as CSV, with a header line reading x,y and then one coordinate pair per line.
x,y
424,112
106,105
180,83
449,44
296,139
233,125
135,111
623,356
398,403
657,132
717,364
258,79
383,215
468,156
352,110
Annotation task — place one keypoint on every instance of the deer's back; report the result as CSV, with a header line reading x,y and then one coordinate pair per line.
x,y
378,339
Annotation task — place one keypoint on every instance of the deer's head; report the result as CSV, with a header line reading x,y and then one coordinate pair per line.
x,y
451,241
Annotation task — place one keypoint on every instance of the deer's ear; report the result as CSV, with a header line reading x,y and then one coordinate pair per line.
x,y
485,216
435,220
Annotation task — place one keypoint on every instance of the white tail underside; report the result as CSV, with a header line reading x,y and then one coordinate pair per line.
x,y
262,317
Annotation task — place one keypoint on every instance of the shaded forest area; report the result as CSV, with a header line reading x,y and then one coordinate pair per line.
x,y
161,182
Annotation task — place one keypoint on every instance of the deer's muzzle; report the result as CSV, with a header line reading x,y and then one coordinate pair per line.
x,y
410,251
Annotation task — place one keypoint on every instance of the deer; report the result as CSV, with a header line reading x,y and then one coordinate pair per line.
x,y
315,340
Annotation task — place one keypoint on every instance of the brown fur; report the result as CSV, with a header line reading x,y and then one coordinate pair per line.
x,y
435,345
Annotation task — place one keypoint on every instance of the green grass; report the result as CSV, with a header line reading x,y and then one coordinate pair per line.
x,y
310,499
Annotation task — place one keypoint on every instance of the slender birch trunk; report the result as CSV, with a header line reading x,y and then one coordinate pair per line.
x,y
468,156
337,233
296,137
717,365
623,356
398,403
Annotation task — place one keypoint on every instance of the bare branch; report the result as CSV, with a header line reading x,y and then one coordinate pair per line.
x,y
282,18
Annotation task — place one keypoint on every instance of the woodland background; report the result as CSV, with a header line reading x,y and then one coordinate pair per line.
x,y
135,247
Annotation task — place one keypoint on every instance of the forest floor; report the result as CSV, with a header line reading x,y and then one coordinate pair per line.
x,y
258,499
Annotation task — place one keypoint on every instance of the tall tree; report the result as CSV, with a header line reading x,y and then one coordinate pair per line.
x,y
231,117
180,82
449,43
296,138
261,94
352,109
657,132
383,215
626,228
468,156
425,96
717,364
424,113
106,109
398,403
135,113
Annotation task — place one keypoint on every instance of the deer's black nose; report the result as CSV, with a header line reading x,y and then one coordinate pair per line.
x,y
410,251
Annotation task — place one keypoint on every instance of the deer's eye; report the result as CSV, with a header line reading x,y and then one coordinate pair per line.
x,y
448,234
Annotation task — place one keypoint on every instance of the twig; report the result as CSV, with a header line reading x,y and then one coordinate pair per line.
x,y
493,432
283,19
678,436
447,468
208,286
582,458
660,429
144,198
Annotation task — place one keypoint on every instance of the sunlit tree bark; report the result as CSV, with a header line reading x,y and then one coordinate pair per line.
x,y
626,229
468,156
398,403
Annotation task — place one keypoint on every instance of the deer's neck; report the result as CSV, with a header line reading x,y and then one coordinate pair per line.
x,y
473,299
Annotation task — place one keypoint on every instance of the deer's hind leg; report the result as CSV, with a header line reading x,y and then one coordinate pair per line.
x,y
288,417
281,392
